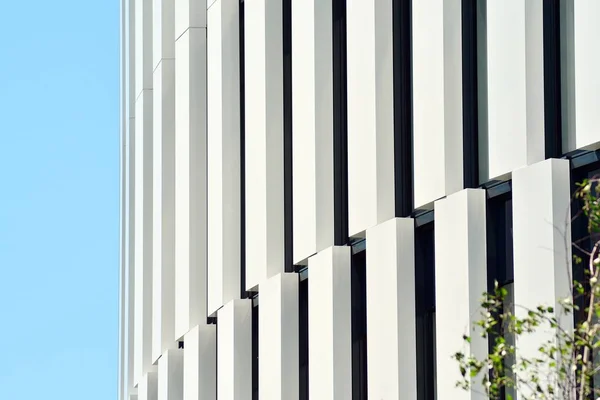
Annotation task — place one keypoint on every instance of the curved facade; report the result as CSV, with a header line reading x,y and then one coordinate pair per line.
x,y
315,193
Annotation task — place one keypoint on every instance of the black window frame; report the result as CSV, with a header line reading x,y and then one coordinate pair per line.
x,y
499,238
340,122
470,101
552,79
288,136
255,352
580,238
303,353
358,281
425,308
243,293
403,129
499,249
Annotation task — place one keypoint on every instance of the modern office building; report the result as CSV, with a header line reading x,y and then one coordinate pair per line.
x,y
315,193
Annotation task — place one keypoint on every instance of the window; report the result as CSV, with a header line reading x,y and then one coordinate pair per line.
x,y
500,264
255,352
552,79
359,326
469,89
340,123
499,241
244,294
303,338
582,241
403,185
287,134
425,311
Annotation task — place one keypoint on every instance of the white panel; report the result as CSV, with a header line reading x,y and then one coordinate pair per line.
x,y
312,108
234,350
223,154
200,364
581,81
164,176
515,85
370,114
143,45
460,281
437,99
123,206
170,375
164,31
329,325
189,14
131,252
190,183
130,194
123,266
143,235
278,338
157,221
391,348
264,140
163,307
148,386
542,245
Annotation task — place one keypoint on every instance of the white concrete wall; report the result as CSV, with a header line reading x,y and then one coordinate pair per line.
x,y
163,185
234,350
200,364
224,219
391,345
542,252
437,100
515,85
123,203
143,237
189,14
312,109
581,81
370,114
143,189
460,281
170,375
129,222
329,324
278,332
181,188
190,170
264,140
148,386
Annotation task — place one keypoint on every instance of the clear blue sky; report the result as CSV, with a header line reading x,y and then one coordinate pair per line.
x,y
59,199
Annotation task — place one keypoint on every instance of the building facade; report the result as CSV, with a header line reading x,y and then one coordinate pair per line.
x,y
315,193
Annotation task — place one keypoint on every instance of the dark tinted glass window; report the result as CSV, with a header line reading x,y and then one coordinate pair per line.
x,y
242,155
340,122
499,240
287,132
255,353
359,326
500,265
552,79
403,172
303,338
469,91
425,311
583,240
